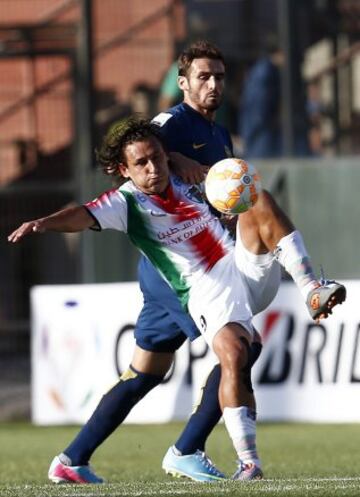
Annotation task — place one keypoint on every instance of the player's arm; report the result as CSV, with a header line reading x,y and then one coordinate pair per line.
x,y
189,170
68,220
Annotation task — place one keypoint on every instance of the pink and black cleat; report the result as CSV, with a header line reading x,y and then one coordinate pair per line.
x,y
62,473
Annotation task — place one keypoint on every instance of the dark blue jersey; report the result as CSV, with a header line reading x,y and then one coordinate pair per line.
x,y
186,131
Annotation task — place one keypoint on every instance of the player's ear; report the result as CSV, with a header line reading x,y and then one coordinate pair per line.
x,y
123,169
183,83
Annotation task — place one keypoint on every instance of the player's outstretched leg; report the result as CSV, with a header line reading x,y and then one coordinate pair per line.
x,y
320,295
266,228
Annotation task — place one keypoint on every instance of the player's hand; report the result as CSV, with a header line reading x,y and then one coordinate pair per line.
x,y
25,229
189,170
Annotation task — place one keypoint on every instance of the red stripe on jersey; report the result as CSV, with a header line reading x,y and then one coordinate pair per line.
x,y
102,199
208,247
173,205
204,243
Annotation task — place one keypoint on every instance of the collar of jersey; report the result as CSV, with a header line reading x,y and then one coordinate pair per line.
x,y
196,113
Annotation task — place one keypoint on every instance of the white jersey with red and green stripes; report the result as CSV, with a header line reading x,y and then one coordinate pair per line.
x,y
176,231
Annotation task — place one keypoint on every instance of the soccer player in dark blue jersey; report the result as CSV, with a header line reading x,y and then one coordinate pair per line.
x,y
189,129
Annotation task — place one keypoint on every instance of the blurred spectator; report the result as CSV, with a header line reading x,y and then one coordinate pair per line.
x,y
259,121
260,109
142,100
169,93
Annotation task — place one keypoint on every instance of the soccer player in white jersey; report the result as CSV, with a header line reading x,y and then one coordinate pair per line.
x,y
222,283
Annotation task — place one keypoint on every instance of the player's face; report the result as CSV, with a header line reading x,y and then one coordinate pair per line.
x,y
146,165
203,86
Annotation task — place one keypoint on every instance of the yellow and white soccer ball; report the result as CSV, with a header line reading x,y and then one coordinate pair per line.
x,y
232,186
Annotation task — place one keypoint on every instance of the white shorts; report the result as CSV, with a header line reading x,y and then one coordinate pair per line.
x,y
239,286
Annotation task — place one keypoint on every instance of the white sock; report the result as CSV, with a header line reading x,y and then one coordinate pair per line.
x,y
292,255
176,451
65,459
240,423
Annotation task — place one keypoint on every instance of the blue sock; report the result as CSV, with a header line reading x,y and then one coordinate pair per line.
x,y
110,413
208,412
256,348
205,417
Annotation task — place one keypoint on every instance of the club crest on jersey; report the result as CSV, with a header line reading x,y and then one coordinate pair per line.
x,y
194,194
141,197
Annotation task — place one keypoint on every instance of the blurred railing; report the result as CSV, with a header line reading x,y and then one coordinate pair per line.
x,y
336,120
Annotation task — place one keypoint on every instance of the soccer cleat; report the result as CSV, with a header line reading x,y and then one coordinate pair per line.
x,y
247,471
196,466
322,299
61,473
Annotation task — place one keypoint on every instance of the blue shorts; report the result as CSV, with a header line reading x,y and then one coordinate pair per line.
x,y
163,325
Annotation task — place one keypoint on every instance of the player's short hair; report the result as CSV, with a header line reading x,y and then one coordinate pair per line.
x,y
128,130
201,49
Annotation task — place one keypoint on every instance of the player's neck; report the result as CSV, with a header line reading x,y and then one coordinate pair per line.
x,y
209,115
163,195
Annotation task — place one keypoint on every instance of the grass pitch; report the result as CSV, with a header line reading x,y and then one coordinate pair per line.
x,y
299,460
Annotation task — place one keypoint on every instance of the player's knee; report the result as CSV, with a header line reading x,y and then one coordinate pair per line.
x,y
265,198
264,208
134,385
233,354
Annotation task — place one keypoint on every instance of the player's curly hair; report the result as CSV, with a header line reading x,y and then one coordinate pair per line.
x,y
128,130
201,49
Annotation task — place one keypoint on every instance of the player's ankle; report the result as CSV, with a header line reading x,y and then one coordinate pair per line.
x,y
309,287
64,459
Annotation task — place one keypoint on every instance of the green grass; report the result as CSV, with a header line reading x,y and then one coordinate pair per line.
x,y
299,460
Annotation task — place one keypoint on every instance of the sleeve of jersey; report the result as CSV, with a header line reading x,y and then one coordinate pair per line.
x,y
109,211
168,129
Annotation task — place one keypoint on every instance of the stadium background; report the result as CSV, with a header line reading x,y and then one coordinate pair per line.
x,y
70,67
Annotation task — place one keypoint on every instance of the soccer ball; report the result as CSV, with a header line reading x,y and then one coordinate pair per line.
x,y
232,186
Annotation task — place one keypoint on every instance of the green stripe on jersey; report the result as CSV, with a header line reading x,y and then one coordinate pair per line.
x,y
158,255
